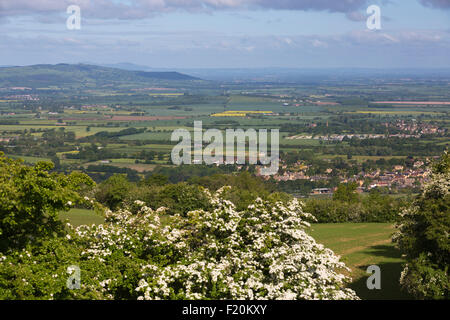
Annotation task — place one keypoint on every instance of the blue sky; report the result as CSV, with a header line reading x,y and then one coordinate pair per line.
x,y
227,33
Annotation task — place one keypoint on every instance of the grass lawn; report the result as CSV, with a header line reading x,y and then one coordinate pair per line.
x,y
79,217
361,245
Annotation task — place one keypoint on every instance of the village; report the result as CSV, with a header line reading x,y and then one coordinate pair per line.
x,y
397,178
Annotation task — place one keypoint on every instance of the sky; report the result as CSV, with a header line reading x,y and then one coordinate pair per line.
x,y
228,33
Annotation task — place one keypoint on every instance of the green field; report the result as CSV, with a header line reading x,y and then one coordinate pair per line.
x,y
361,245
79,217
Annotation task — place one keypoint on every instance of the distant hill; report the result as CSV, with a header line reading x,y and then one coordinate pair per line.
x,y
45,75
129,66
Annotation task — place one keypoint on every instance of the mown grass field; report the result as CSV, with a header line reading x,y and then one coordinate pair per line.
x,y
78,217
361,245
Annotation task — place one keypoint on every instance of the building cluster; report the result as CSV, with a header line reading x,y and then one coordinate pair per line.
x,y
87,107
341,137
399,177
25,97
408,129
415,127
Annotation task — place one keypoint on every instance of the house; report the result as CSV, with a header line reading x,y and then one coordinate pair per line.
x,y
321,191
418,164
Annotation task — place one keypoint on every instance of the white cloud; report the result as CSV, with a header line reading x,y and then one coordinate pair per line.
x,y
439,4
319,44
138,9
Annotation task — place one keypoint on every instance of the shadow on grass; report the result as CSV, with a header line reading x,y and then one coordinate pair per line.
x,y
387,251
390,275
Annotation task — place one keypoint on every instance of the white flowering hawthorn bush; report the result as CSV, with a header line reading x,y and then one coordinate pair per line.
x,y
263,252
260,253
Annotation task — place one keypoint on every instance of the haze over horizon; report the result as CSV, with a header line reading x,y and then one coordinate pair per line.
x,y
227,34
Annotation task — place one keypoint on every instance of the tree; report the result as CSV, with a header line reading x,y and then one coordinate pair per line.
x,y
423,236
346,192
113,191
31,199
156,180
